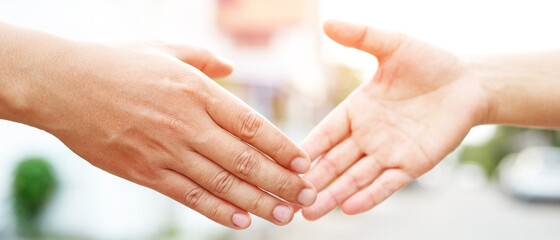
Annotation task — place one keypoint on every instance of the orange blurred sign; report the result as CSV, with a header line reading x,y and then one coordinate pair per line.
x,y
258,16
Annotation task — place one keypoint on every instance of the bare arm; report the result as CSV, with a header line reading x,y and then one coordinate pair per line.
x,y
522,89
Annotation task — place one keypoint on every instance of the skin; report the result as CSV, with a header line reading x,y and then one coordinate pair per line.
x,y
149,113
418,107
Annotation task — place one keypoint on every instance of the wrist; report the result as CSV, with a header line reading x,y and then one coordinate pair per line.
x,y
479,77
17,66
30,60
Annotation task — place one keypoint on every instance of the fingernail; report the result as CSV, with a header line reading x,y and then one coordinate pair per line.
x,y
307,196
300,165
241,220
282,213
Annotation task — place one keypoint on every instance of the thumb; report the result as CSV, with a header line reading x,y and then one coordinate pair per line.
x,y
202,59
373,41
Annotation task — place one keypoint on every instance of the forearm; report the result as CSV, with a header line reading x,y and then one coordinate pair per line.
x,y
521,89
28,60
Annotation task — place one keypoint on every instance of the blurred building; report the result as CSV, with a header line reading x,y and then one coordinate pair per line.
x,y
276,47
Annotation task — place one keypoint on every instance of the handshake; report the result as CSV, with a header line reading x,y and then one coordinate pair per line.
x,y
150,113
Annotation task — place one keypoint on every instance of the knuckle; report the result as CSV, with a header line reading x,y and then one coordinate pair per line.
x,y
353,182
423,164
174,124
197,91
193,197
245,163
223,182
330,168
286,185
216,212
257,203
280,147
400,179
205,58
336,198
327,136
361,40
250,124
389,187
146,176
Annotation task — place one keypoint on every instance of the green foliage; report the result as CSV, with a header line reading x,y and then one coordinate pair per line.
x,y
33,186
489,155
556,140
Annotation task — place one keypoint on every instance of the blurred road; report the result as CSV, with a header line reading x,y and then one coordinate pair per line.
x,y
417,213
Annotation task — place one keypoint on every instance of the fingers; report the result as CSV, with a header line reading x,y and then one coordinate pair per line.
x,y
355,179
334,163
240,120
227,186
329,132
250,165
200,58
185,191
384,186
374,41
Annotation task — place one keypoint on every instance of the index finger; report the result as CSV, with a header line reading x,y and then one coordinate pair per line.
x,y
328,133
236,117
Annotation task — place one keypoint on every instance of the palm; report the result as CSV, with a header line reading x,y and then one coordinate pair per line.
x,y
416,109
407,117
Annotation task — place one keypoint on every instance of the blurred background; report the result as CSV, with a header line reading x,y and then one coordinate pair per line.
x,y
501,183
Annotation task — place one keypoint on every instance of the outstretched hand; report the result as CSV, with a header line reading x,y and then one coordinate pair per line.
x,y
149,113
395,127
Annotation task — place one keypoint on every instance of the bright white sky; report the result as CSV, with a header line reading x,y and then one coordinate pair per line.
x,y
470,27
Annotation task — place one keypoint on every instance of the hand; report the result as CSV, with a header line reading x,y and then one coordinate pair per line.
x,y
144,113
417,108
